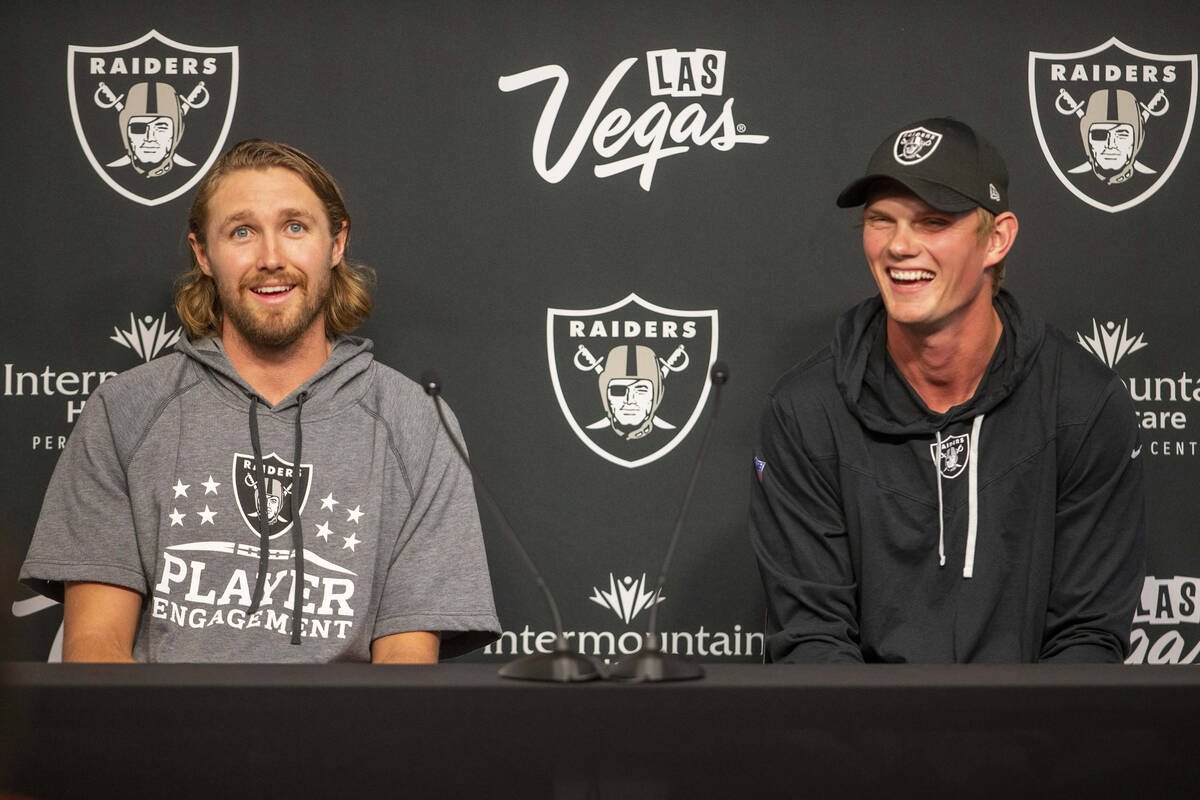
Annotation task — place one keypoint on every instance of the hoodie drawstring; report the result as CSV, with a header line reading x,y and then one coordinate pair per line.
x,y
937,465
260,489
263,522
298,532
972,499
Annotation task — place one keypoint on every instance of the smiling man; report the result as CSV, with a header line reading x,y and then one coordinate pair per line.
x,y
951,480
270,492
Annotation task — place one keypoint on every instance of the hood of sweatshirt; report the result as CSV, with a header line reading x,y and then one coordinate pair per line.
x,y
882,400
337,384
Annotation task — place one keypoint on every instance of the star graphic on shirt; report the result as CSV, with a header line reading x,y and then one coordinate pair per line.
x,y
327,502
206,516
354,514
181,488
323,531
176,517
350,541
210,486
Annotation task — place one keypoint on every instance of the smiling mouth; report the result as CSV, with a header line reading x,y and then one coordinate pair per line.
x,y
909,277
274,290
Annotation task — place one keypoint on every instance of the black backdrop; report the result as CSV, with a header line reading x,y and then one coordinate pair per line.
x,y
401,101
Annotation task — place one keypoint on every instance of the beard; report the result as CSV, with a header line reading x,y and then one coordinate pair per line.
x,y
275,327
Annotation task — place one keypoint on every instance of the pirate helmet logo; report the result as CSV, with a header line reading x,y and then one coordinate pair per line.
x,y
269,499
951,455
915,145
1117,145
634,357
132,102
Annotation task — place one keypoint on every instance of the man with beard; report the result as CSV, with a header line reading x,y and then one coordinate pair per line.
x,y
152,532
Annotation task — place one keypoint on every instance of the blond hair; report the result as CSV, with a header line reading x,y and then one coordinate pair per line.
x,y
196,299
987,226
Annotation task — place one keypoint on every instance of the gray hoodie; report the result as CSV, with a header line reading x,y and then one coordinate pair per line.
x,y
178,468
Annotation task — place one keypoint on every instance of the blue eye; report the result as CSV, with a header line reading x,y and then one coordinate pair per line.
x,y
241,232
295,227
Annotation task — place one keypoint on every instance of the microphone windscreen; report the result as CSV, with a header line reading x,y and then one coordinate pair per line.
x,y
430,382
719,372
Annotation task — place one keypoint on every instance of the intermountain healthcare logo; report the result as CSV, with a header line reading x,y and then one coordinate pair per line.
x,y
1113,121
1111,342
146,336
626,598
1162,403
632,377
671,73
133,103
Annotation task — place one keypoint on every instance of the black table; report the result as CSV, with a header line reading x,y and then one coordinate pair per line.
x,y
457,730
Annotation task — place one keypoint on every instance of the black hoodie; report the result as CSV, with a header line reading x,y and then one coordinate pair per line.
x,y
1009,529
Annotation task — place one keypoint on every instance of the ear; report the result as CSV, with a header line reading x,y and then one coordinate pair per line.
x,y
1002,238
198,251
339,244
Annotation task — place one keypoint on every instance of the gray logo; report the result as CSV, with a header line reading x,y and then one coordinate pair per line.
x,y
152,114
631,378
1112,121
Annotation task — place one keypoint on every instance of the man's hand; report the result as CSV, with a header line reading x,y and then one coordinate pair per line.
x,y
414,647
99,622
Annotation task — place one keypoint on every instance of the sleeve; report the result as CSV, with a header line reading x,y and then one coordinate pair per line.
x,y
85,531
1100,536
799,534
438,579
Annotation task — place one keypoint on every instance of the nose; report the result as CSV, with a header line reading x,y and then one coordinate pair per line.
x,y
903,243
270,254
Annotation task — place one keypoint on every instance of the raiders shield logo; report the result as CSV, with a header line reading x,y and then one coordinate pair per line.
x,y
915,145
281,482
632,377
152,114
1113,121
953,456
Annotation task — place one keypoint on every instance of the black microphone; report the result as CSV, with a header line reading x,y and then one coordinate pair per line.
x,y
562,664
651,663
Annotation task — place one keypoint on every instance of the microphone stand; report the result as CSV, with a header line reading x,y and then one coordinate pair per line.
x,y
651,663
562,664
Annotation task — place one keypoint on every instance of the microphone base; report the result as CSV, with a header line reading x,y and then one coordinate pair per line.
x,y
653,666
558,666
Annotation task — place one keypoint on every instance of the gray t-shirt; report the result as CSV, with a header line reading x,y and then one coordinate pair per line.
x,y
158,491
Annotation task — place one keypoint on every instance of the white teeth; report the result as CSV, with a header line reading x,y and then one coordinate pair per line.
x,y
911,274
272,289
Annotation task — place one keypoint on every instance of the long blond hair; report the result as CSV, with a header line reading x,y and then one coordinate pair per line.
x,y
196,300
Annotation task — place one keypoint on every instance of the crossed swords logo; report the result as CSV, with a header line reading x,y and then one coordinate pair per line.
x,y
676,362
1158,105
105,98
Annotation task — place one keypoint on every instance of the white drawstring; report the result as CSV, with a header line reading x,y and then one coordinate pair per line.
x,y
937,465
972,500
973,507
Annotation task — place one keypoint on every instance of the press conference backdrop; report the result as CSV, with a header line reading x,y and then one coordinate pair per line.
x,y
545,188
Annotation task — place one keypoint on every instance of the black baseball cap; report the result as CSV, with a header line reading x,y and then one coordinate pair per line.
x,y
943,162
